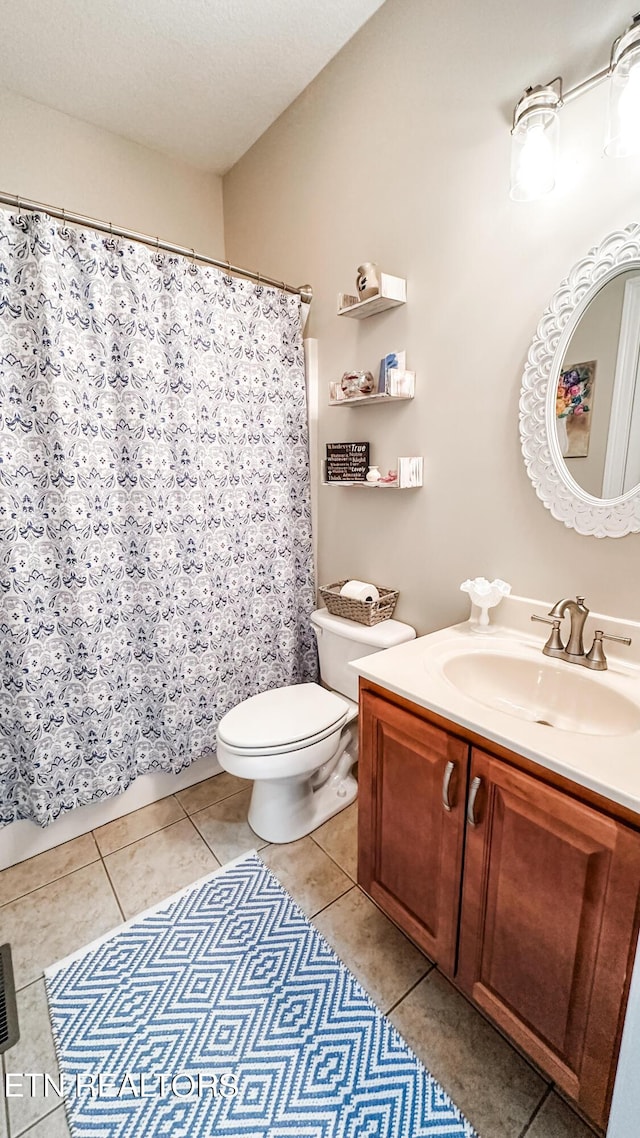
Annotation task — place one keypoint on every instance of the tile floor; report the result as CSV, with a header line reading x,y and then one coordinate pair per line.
x,y
64,898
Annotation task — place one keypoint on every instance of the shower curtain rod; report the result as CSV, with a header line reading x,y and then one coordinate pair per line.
x,y
305,292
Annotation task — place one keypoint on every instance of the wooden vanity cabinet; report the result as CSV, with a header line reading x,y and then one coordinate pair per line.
x,y
538,926
412,784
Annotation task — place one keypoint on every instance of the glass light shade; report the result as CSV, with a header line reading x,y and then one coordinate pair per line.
x,y
623,128
534,153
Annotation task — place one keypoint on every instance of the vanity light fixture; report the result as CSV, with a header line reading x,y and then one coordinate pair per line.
x,y
534,142
535,131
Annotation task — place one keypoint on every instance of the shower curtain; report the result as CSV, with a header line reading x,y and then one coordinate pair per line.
x,y
155,534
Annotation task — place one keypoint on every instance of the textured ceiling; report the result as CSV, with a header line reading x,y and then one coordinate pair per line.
x,y
198,79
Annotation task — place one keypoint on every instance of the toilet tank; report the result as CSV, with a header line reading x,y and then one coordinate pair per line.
x,y
341,640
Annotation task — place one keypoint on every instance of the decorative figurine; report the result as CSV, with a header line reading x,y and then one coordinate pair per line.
x,y
484,595
367,280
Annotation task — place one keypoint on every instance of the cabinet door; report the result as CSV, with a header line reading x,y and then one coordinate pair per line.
x,y
412,781
547,925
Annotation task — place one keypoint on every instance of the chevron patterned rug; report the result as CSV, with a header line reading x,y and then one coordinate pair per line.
x,y
221,1013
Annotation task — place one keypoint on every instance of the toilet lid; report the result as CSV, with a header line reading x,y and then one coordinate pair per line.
x,y
282,716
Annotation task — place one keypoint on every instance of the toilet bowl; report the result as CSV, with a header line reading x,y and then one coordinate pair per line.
x,y
298,743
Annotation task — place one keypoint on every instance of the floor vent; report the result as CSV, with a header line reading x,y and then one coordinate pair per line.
x,y
9,1031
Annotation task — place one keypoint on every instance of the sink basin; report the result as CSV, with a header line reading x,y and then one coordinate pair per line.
x,y
559,695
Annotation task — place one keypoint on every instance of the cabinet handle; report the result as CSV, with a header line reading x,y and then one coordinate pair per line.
x,y
446,783
471,805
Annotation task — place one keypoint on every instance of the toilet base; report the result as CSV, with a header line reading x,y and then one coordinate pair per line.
x,y
283,810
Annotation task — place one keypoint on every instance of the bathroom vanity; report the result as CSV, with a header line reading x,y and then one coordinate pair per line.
x,y
501,831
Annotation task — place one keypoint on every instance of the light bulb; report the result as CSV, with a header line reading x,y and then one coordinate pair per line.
x,y
623,126
536,166
533,156
629,112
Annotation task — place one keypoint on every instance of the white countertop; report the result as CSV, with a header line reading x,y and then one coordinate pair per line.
x,y
606,763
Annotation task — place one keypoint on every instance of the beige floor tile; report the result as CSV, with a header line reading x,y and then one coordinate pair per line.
x,y
378,954
312,878
53,1126
45,867
57,919
33,1052
225,829
339,838
123,831
211,790
489,1082
157,866
556,1120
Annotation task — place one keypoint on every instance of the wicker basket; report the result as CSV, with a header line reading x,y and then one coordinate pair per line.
x,y
365,612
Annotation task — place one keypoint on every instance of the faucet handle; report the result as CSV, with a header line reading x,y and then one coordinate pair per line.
x,y
595,656
554,645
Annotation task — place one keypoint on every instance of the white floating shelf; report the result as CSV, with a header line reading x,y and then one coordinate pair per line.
x,y
393,292
376,485
358,400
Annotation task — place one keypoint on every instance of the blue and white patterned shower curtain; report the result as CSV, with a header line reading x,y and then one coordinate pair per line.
x,y
155,534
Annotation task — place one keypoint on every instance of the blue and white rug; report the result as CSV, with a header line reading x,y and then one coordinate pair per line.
x,y
222,1012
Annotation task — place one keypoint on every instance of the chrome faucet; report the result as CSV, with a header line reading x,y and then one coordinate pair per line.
x,y
574,651
578,613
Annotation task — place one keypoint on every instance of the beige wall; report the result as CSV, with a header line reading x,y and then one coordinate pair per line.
x,y
399,153
59,160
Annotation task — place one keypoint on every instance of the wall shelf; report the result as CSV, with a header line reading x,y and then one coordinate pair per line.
x,y
373,485
410,470
393,292
377,397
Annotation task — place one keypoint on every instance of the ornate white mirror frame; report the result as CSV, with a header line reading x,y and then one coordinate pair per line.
x,y
559,492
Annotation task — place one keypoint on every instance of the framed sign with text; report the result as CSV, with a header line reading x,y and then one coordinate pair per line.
x,y
347,462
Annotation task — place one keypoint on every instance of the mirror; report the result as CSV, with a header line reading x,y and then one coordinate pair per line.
x,y
598,397
580,399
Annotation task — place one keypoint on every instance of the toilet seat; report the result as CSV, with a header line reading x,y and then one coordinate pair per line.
x,y
282,720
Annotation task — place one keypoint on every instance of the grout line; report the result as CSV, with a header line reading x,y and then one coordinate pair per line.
x,y
99,856
208,805
113,888
311,916
32,1128
536,1112
332,858
218,802
52,880
141,837
546,1079
329,904
207,844
411,989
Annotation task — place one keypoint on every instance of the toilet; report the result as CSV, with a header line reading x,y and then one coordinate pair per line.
x,y
299,743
